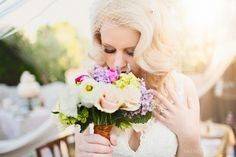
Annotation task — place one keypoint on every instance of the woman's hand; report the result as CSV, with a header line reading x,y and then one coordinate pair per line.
x,y
181,117
93,145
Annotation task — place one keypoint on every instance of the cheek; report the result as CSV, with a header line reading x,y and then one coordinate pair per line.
x,y
131,61
135,68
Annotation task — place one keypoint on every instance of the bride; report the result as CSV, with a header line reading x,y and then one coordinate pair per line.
x,y
136,35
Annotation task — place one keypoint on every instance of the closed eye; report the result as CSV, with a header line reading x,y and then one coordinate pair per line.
x,y
131,53
109,50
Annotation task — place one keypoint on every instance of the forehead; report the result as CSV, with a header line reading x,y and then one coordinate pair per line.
x,y
119,36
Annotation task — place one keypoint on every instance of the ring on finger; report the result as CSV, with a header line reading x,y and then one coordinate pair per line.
x,y
162,111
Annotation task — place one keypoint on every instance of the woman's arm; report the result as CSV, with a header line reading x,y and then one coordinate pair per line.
x,y
189,145
182,118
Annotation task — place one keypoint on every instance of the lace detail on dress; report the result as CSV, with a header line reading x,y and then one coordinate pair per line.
x,y
155,141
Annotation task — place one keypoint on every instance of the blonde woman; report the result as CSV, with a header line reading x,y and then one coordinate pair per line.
x,y
136,35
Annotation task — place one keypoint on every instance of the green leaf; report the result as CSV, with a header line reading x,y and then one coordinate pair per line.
x,y
83,120
141,118
55,112
67,120
82,114
79,117
85,112
123,124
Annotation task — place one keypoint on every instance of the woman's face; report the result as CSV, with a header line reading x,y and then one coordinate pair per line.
x,y
118,44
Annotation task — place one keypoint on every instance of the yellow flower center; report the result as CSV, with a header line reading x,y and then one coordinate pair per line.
x,y
89,88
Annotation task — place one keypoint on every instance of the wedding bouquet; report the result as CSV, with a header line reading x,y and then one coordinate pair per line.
x,y
107,98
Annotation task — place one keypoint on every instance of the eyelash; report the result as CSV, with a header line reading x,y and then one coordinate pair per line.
x,y
113,51
130,53
109,51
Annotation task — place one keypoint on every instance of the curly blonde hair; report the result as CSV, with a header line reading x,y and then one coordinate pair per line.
x,y
155,50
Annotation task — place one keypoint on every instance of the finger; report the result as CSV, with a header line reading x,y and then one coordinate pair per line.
x,y
113,140
162,119
173,95
79,138
158,116
156,100
166,103
164,112
97,139
95,148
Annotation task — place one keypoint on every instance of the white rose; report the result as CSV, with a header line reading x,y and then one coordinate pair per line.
x,y
130,98
109,101
89,92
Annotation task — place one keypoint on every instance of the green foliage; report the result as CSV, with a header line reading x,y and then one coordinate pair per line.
x,y
12,65
124,122
93,115
83,118
56,49
141,118
65,120
83,114
101,118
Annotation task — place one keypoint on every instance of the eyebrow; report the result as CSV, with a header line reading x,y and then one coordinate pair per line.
x,y
132,47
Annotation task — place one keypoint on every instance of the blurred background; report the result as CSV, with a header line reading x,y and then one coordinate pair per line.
x,y
43,43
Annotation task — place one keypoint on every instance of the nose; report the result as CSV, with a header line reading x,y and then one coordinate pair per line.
x,y
119,61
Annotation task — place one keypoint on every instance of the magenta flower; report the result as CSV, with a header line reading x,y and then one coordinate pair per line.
x,y
80,78
113,75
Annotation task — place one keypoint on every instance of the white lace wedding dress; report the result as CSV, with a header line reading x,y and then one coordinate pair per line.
x,y
156,140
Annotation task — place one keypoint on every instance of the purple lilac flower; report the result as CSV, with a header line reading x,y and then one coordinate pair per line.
x,y
103,74
145,101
